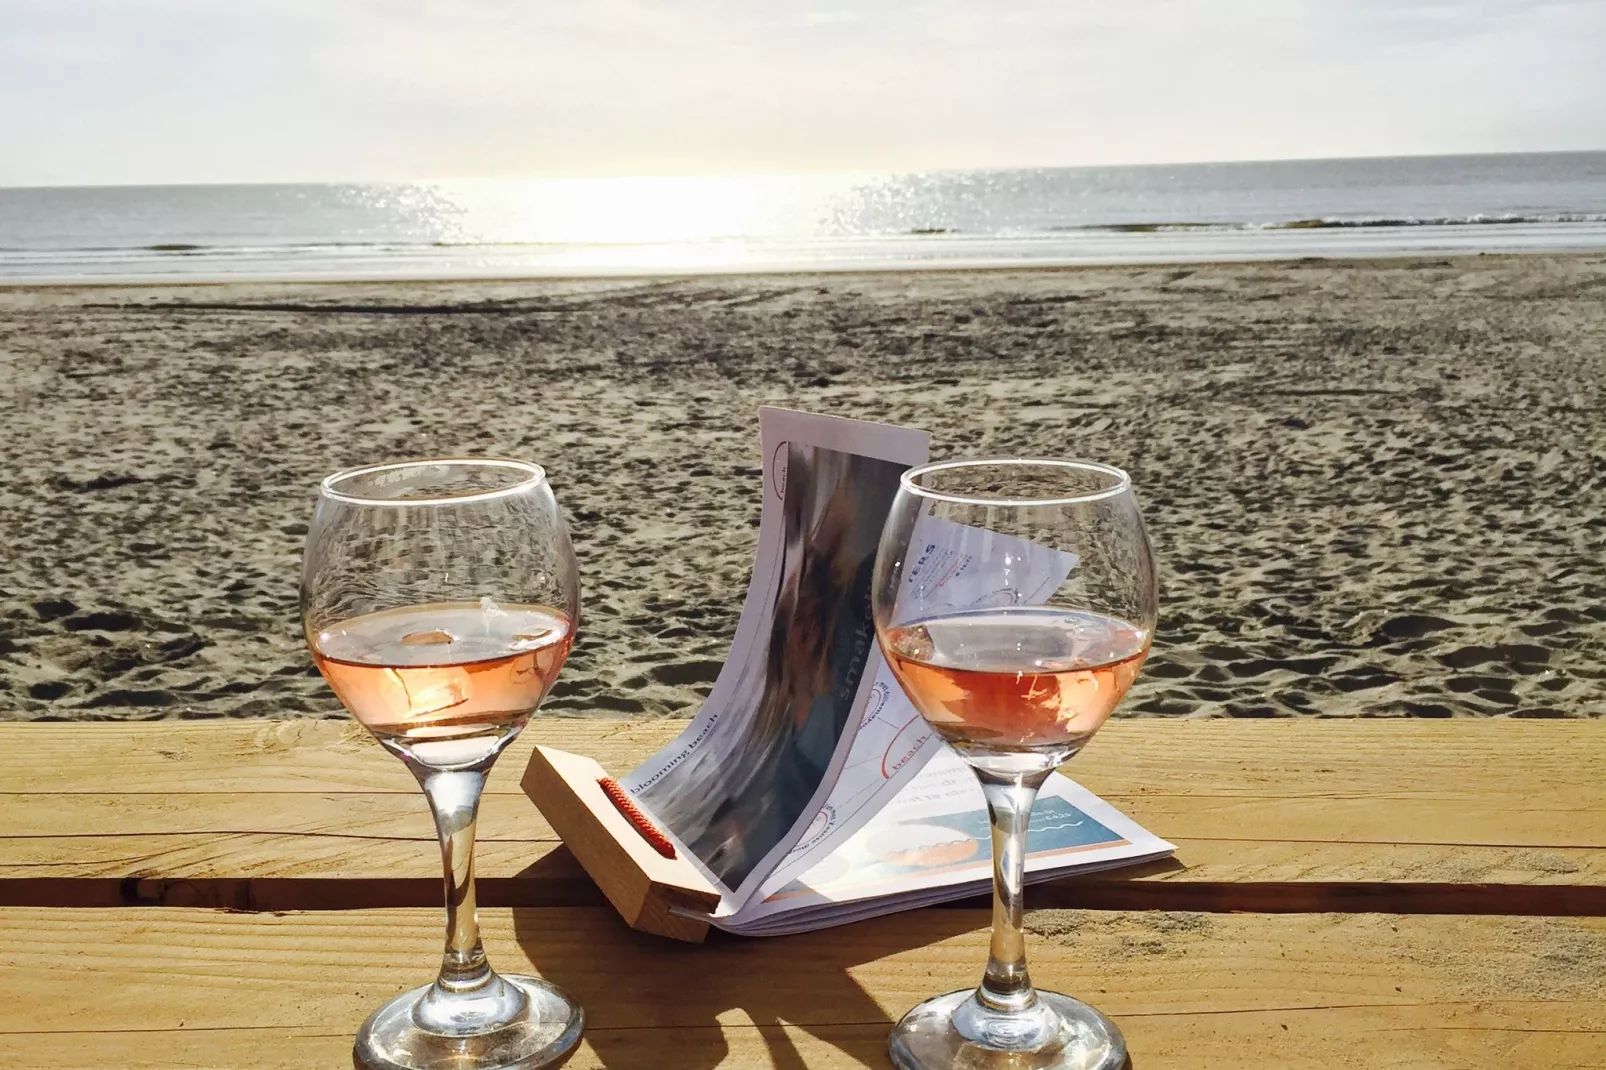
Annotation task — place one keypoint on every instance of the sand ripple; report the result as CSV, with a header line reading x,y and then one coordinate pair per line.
x,y
1375,489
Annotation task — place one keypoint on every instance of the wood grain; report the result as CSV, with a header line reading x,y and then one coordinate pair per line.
x,y
1470,816
652,893
147,988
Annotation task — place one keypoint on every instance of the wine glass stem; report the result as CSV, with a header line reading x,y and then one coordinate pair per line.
x,y
454,799
1007,987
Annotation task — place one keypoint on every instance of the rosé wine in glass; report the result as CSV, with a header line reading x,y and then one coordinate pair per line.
x,y
439,600
448,675
1025,678
1016,682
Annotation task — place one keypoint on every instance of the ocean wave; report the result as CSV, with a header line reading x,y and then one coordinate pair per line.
x,y
1153,228
414,246
1440,221
1336,223
196,247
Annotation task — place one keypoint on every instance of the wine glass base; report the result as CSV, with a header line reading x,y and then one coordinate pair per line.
x,y
543,1033
1060,1034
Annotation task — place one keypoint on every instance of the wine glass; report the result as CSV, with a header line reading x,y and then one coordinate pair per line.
x,y
1016,685
439,599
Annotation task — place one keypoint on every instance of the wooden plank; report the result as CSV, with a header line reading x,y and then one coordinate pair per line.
x,y
1464,816
267,756
184,988
557,880
1511,1037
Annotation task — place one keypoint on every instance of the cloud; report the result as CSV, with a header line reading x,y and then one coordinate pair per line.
x,y
169,90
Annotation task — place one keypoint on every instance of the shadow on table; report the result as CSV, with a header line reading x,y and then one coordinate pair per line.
x,y
633,984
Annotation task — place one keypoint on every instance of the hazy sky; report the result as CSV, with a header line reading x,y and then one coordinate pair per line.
x,y
96,91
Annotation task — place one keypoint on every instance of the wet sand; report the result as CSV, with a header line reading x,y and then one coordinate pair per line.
x,y
1374,488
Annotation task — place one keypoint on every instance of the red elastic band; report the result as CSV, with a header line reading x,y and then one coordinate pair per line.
x,y
638,820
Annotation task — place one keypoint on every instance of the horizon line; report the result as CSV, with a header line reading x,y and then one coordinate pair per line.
x,y
643,176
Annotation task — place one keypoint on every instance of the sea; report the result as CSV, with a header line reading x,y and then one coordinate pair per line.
x,y
1417,205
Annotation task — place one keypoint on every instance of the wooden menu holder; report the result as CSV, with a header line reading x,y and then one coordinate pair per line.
x,y
651,892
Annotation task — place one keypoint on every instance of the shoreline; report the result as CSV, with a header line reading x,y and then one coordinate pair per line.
x,y
1373,485
1369,258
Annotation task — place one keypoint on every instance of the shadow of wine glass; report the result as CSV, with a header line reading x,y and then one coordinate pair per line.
x,y
655,1002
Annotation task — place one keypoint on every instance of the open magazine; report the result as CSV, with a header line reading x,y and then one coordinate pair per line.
x,y
808,790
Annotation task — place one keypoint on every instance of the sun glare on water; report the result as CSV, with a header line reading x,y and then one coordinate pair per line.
x,y
648,224
641,211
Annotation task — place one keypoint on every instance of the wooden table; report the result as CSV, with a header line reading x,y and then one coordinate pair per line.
x,y
1347,893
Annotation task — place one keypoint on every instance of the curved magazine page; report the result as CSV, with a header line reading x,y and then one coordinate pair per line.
x,y
894,742
741,784
932,843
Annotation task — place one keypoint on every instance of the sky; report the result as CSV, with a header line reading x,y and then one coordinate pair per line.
x,y
150,91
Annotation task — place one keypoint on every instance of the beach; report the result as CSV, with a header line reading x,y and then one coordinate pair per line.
x,y
1374,488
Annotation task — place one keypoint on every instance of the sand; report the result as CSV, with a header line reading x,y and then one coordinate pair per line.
x,y
1374,488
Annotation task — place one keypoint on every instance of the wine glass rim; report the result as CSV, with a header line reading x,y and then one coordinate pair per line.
x,y
1122,484
535,475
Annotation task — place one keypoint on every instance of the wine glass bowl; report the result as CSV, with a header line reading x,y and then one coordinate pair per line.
x,y
1016,681
439,599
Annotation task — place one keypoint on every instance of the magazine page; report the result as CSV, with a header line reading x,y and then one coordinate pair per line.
x,y
741,784
894,742
933,843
